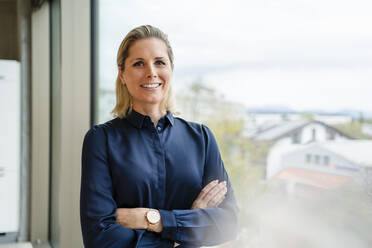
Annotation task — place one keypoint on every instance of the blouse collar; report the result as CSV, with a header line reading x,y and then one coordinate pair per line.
x,y
139,120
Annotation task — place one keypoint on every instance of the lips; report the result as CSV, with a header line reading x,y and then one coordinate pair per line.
x,y
150,85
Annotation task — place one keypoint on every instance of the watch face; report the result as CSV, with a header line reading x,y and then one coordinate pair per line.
x,y
153,217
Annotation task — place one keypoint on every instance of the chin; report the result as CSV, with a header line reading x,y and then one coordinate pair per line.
x,y
153,101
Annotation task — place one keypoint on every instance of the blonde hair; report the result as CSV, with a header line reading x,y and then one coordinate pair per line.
x,y
123,104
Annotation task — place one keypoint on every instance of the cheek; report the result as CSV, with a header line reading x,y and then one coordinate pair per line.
x,y
132,76
167,77
131,86
167,83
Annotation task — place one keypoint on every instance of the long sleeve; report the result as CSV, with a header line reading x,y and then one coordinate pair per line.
x,y
97,205
209,226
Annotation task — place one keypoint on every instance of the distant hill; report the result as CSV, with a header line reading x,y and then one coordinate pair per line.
x,y
355,114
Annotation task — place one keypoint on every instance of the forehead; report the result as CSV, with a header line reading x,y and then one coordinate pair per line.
x,y
149,47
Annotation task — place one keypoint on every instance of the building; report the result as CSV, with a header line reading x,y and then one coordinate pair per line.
x,y
325,165
367,129
297,132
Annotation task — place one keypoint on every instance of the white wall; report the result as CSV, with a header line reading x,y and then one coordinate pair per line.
x,y
281,158
320,133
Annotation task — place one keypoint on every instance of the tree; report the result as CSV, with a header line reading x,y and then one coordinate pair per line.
x,y
353,129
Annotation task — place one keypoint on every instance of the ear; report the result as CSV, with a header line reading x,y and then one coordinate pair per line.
x,y
121,75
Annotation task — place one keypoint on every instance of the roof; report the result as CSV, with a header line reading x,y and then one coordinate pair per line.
x,y
278,130
312,178
287,128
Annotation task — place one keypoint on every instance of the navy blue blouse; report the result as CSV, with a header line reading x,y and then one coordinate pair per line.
x,y
129,163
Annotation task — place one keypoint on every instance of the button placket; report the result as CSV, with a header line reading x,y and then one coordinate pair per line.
x,y
161,173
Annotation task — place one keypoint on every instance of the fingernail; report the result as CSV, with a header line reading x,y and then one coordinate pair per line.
x,y
215,181
224,182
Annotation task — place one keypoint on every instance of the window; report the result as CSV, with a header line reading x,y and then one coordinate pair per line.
x,y
331,134
10,148
296,138
317,159
244,67
326,160
313,134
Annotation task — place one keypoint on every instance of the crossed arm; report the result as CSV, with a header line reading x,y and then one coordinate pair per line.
x,y
210,196
211,220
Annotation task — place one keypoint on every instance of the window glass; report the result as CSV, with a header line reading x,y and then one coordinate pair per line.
x,y
258,73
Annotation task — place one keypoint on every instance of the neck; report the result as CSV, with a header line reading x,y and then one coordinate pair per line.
x,y
155,112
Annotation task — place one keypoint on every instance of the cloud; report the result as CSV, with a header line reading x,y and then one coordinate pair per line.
x,y
320,49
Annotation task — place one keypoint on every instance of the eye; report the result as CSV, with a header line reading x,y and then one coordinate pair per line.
x,y
139,63
159,62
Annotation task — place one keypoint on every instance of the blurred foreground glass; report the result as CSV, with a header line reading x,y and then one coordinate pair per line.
x,y
285,87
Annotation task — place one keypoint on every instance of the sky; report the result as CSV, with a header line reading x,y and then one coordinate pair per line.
x,y
296,53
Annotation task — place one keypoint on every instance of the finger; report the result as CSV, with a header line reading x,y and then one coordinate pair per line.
x,y
199,202
215,200
213,192
211,203
207,188
218,199
196,204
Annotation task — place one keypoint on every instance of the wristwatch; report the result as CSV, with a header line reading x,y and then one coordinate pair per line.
x,y
152,218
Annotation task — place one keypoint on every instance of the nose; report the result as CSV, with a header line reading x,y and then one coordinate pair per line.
x,y
151,71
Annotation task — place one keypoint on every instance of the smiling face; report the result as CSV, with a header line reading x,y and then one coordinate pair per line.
x,y
147,73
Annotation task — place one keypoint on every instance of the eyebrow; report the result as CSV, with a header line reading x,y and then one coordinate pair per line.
x,y
144,59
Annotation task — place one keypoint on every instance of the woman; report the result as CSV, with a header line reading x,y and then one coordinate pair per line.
x,y
150,179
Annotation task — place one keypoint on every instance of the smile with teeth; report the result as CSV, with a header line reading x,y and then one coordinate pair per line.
x,y
155,85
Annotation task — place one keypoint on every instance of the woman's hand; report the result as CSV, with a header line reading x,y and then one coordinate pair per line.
x,y
211,195
134,218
